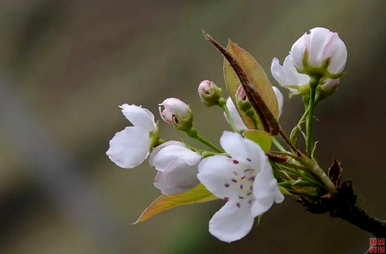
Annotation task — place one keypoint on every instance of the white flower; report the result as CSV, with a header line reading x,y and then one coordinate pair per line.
x,y
320,44
131,146
287,75
176,167
233,118
176,113
245,181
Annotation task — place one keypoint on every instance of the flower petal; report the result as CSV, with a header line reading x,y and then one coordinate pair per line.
x,y
279,98
129,147
298,49
339,56
171,155
180,179
231,222
139,116
265,190
319,38
234,118
215,173
233,144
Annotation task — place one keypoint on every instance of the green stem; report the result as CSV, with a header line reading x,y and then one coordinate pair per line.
x,y
194,134
310,142
278,145
314,167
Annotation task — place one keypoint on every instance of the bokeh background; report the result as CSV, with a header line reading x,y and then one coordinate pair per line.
x,y
66,65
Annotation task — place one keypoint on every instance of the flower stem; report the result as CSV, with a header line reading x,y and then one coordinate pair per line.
x,y
194,134
310,142
314,167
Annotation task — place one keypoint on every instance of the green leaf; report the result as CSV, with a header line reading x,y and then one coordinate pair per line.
x,y
256,76
260,137
198,194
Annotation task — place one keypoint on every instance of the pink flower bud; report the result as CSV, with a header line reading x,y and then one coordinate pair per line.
x,y
176,113
209,93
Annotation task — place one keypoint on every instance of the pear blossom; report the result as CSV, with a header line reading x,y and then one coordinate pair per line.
x,y
321,45
176,167
287,75
209,93
244,180
131,146
176,113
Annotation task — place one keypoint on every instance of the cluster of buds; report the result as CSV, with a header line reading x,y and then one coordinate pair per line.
x,y
246,170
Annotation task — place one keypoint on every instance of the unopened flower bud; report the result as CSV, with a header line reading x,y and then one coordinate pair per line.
x,y
176,113
242,100
319,51
209,93
328,87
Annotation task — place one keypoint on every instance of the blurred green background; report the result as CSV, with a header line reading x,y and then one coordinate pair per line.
x,y
66,65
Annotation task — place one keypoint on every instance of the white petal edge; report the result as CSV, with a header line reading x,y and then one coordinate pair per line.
x,y
233,144
231,223
234,118
139,116
279,99
129,147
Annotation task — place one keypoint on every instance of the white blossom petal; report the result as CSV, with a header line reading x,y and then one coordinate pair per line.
x,y
176,166
265,190
216,173
231,223
140,117
129,147
339,57
318,40
234,118
279,98
298,49
233,144
287,75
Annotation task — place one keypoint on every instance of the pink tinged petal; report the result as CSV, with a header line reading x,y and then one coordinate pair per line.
x,y
298,49
140,117
129,147
233,144
279,98
216,173
319,39
234,119
339,57
231,222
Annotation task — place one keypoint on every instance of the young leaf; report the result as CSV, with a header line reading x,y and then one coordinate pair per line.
x,y
255,74
260,137
198,194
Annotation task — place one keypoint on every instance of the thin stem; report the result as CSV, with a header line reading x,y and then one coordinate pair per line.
x,y
194,134
278,145
310,117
